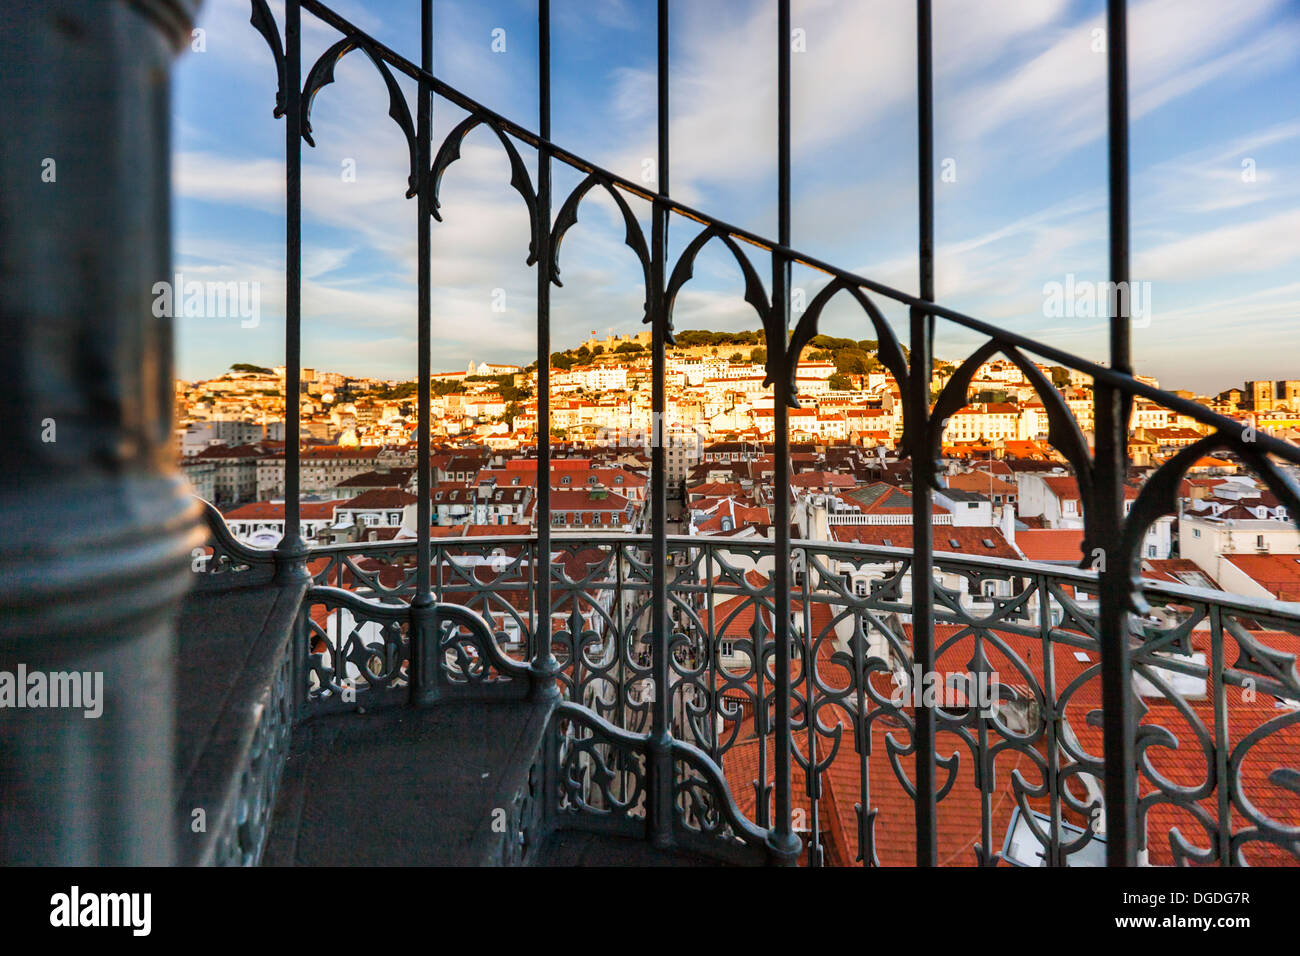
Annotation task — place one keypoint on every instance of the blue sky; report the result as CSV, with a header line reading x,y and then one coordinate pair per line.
x,y
1020,112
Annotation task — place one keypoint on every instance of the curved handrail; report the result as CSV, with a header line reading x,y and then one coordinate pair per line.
x,y
397,613
699,760
467,618
850,550
746,831
231,561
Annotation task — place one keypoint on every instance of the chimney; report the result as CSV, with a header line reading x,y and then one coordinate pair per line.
x,y
1008,523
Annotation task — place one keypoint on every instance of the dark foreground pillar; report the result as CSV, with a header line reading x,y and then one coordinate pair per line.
x,y
96,529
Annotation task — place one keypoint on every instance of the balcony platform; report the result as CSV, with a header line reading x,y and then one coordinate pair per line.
x,y
405,786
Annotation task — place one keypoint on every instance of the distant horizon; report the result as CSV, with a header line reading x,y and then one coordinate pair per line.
x,y
1168,387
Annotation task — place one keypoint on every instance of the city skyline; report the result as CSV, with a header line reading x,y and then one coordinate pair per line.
x,y
1215,204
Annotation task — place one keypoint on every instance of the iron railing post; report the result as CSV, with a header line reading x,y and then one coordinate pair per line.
x,y
922,326
783,845
659,763
545,666
291,552
1111,414
423,637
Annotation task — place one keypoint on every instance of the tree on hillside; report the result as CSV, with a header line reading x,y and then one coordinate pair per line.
x,y
854,361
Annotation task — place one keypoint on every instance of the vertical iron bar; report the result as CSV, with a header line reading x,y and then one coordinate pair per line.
x,y
421,653
922,467
1052,718
812,778
782,842
291,550
1222,739
1111,423
544,663
424,474
862,730
715,652
661,821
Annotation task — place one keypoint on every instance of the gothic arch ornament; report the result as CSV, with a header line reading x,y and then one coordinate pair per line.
x,y
1063,431
522,183
755,294
1159,495
634,237
264,22
322,74
890,352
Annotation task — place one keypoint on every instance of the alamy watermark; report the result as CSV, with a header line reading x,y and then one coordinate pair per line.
x,y
76,908
951,691
1087,299
192,299
39,690
661,431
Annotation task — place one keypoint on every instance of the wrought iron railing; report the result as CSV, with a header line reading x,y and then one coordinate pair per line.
x,y
1218,732
791,682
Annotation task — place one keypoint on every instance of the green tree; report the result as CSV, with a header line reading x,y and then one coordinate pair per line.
x,y
839,383
853,361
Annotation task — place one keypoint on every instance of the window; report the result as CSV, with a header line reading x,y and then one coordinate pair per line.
x,y
1151,551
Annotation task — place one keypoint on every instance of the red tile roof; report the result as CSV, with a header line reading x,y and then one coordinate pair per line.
x,y
379,498
1279,574
969,540
1064,487
1051,544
